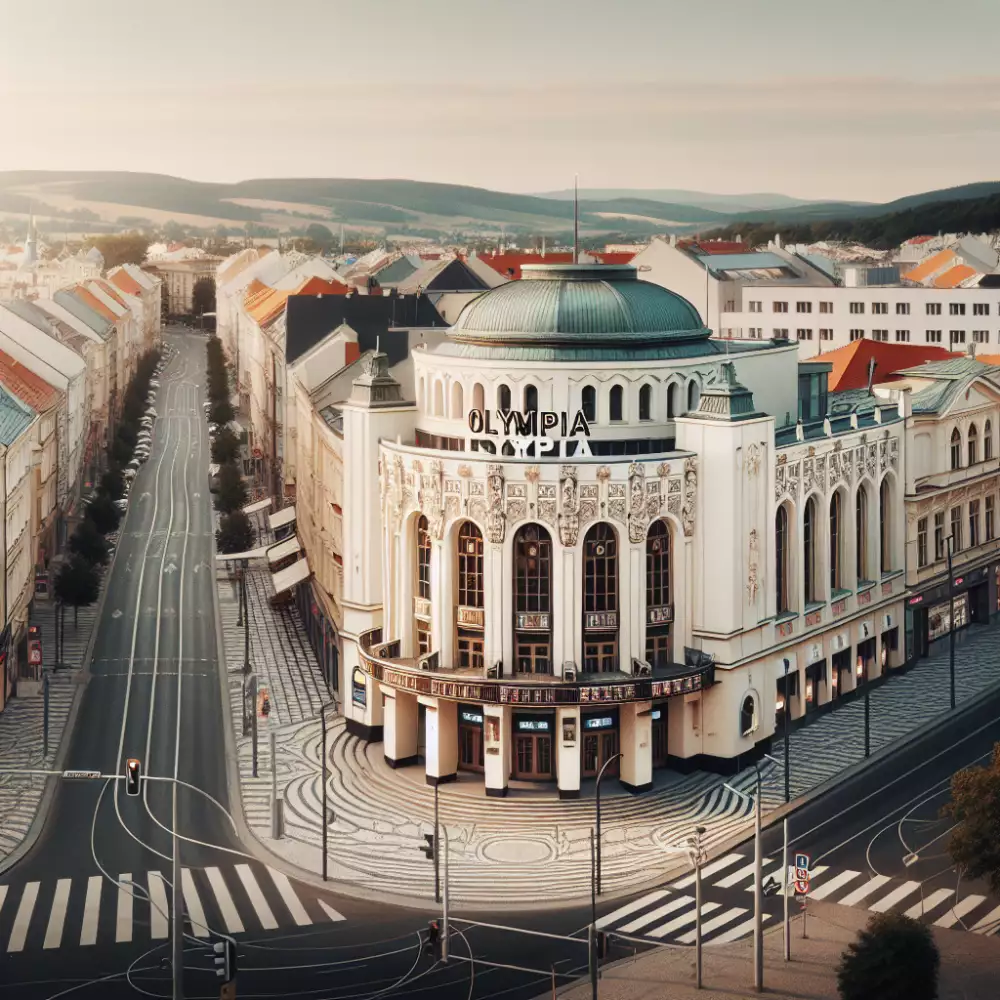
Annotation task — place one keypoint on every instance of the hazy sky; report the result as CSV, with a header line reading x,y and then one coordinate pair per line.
x,y
866,99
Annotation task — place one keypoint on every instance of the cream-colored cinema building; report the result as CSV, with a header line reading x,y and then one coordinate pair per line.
x,y
603,532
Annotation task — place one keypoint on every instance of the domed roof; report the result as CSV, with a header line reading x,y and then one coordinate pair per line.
x,y
579,304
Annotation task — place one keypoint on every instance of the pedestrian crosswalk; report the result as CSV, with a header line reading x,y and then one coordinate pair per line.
x,y
92,911
668,914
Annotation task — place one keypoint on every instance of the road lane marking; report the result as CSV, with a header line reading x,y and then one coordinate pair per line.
x,y
257,900
661,911
57,915
3,895
715,866
192,902
988,925
864,891
827,888
159,908
19,933
925,906
741,873
726,917
91,910
123,925
682,921
295,907
226,905
894,897
332,914
959,910
740,930
629,908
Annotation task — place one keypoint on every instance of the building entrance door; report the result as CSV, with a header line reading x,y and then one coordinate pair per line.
x,y
533,757
470,748
598,748
659,736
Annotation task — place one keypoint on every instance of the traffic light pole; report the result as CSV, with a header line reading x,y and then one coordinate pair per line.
x,y
177,903
444,906
437,853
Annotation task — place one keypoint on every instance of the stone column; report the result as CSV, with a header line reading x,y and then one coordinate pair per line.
x,y
635,739
443,601
400,727
566,623
400,581
496,624
441,735
568,752
496,748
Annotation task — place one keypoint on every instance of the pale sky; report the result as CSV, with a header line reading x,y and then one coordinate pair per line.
x,y
862,99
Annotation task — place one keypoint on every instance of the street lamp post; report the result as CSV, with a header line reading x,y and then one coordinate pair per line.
x,y
951,618
246,620
326,821
600,775
788,712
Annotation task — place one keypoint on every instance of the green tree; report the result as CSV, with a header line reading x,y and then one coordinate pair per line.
x,y
232,493
203,296
893,958
221,412
103,512
320,235
975,808
174,231
113,483
225,447
77,584
89,543
122,248
235,533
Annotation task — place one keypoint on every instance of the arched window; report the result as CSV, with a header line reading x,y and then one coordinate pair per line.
x,y
748,715
438,398
671,402
694,394
533,600
478,397
658,595
973,445
781,555
835,542
588,403
600,567
530,398
987,441
457,401
646,403
423,559
470,566
809,526
861,533
956,449
503,397
884,527
615,402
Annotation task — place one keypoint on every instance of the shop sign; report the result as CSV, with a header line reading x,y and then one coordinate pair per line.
x,y
569,731
471,717
785,629
839,608
656,714
802,863
359,690
660,615
919,599
533,620
865,630
600,620
534,724
887,587
534,434
599,722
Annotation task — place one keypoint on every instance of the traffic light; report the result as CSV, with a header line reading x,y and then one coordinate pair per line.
x,y
133,776
225,960
430,848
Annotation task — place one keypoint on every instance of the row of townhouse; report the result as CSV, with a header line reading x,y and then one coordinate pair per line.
x,y
66,355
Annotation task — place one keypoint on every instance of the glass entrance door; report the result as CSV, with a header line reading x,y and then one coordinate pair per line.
x,y
533,757
660,739
598,748
470,748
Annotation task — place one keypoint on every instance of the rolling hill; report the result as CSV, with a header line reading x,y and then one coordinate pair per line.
x,y
729,203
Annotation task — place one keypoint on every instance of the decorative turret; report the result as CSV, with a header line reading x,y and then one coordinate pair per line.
x,y
725,398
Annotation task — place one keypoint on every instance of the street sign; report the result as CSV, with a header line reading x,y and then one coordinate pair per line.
x,y
802,864
82,774
35,651
263,701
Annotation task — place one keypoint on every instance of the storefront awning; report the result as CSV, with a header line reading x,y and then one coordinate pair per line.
x,y
257,506
284,549
223,557
287,578
282,517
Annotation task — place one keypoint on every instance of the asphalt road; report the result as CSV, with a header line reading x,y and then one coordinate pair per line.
x,y
83,914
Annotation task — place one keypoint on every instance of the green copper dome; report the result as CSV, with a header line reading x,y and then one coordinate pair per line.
x,y
574,305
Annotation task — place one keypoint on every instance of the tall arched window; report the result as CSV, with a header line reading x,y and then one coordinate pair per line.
x,y
861,533
987,441
530,398
973,445
615,405
658,610
646,402
694,394
470,620
884,527
835,542
809,526
478,397
457,401
422,616
503,397
533,600
438,398
956,449
671,402
588,403
781,556
600,599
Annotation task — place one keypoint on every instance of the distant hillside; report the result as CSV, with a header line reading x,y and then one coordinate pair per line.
x,y
728,203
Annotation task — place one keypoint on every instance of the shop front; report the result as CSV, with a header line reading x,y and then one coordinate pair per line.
x,y
533,759
323,635
815,679
865,666
600,742
932,615
842,666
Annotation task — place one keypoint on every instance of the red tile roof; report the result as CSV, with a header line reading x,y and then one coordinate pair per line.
x,y
125,281
90,299
506,262
850,363
714,246
26,385
913,241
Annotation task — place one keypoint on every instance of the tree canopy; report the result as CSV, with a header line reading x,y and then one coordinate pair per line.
x,y
77,583
122,248
975,808
225,447
232,493
203,296
893,958
235,533
103,512
87,542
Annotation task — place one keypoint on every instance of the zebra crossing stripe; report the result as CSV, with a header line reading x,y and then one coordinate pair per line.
x,y
930,903
330,912
726,917
864,891
159,909
629,908
709,870
3,895
19,932
91,910
896,896
661,911
959,910
682,921
746,871
989,924
57,915
740,930
257,900
295,907
226,905
123,927
828,888
192,903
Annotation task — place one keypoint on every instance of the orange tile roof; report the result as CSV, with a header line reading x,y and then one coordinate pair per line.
x,y
914,240
850,362
954,276
264,304
125,281
714,246
930,265
506,262
26,385
90,299
110,290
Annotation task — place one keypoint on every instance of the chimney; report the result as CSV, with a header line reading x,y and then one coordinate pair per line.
x,y
800,434
971,350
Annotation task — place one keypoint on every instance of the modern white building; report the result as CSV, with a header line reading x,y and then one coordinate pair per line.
x,y
598,530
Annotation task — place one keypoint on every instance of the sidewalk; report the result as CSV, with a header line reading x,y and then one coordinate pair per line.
x,y
969,964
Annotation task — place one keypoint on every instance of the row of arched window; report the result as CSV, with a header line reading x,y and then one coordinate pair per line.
x,y
809,563
971,445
